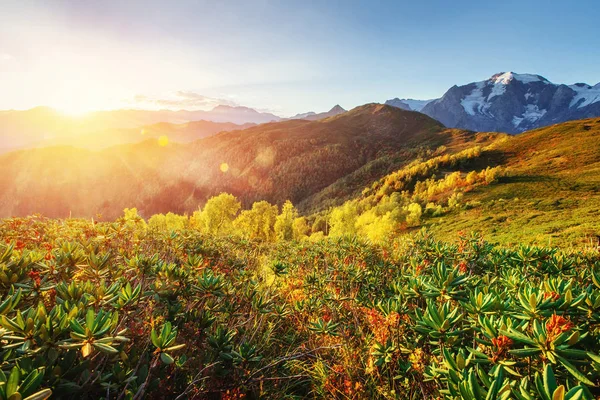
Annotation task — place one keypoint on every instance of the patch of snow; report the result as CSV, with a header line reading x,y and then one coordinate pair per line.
x,y
528,95
416,105
533,113
503,79
506,77
412,104
497,90
474,101
585,95
517,121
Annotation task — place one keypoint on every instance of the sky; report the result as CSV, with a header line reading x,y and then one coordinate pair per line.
x,y
281,56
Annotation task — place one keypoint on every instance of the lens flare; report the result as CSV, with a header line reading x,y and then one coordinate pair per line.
x,y
163,141
224,167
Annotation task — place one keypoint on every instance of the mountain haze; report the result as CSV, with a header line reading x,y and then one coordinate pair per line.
x,y
293,160
45,125
312,116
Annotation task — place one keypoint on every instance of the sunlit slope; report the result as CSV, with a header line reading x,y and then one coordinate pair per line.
x,y
548,191
287,160
180,133
295,160
552,191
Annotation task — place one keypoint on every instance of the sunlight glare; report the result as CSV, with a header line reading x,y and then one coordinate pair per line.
x,y
163,141
224,167
73,110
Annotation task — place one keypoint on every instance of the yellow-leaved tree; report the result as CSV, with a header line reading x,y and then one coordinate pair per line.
x,y
284,223
218,215
258,222
342,220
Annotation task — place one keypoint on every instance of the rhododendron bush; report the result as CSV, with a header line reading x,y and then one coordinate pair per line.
x,y
115,310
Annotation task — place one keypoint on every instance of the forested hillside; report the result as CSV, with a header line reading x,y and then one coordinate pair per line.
x,y
290,160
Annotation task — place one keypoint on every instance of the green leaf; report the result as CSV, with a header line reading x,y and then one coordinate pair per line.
x,y
527,352
41,395
13,381
173,348
90,318
31,382
166,358
492,393
575,372
9,324
594,357
549,380
105,348
474,385
155,340
518,336
575,393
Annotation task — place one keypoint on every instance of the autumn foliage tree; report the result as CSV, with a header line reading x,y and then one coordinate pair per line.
x,y
218,215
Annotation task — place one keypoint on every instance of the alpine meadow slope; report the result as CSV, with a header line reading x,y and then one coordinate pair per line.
x,y
539,187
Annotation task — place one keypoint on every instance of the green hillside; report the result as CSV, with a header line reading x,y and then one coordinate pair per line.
x,y
548,190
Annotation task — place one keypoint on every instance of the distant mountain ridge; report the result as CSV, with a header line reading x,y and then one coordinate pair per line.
x,y
510,102
43,124
312,116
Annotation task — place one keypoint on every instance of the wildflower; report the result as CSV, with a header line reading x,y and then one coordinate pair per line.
x,y
552,295
556,325
501,343
35,277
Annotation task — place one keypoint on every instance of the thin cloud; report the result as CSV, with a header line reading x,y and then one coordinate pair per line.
x,y
181,100
6,57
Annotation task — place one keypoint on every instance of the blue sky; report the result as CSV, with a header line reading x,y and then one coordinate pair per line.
x,y
282,56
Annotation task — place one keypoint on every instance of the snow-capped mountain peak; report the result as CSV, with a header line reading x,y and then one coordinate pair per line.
x,y
509,102
506,77
513,102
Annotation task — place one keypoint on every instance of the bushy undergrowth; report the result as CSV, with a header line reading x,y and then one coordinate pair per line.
x,y
113,310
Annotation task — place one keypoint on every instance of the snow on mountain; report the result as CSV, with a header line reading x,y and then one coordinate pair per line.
x,y
585,96
408,104
511,102
475,101
505,78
